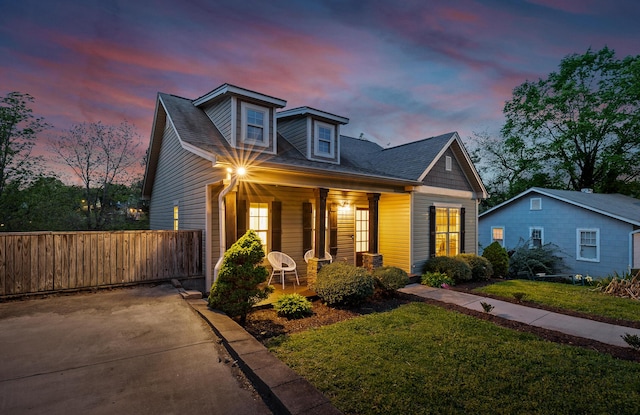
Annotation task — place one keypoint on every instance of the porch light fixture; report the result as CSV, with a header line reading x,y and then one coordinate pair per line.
x,y
344,206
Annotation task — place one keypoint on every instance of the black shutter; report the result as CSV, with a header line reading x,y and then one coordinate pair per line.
x,y
432,231
276,226
462,251
307,227
230,219
333,230
242,217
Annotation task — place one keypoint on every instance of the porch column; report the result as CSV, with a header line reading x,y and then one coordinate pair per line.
x,y
373,222
321,221
372,259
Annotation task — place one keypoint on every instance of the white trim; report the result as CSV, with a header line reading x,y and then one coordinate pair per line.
x,y
312,111
332,140
531,229
531,203
503,233
227,88
447,205
578,244
448,163
234,122
445,192
244,107
309,137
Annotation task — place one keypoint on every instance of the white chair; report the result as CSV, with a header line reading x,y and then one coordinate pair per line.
x,y
281,262
310,252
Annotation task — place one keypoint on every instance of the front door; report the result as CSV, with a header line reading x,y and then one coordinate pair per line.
x,y
362,234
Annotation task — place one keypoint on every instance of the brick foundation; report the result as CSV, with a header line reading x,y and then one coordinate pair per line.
x,y
313,266
371,261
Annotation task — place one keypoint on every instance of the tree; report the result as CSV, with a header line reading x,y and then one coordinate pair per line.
x,y
578,128
236,290
18,131
100,155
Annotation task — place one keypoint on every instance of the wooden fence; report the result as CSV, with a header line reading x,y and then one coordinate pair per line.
x,y
40,262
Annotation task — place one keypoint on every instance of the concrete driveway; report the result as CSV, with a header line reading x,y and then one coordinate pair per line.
x,y
136,350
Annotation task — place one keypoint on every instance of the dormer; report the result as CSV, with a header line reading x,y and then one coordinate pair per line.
x,y
315,133
246,119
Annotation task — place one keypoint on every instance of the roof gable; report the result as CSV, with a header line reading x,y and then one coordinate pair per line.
x,y
617,206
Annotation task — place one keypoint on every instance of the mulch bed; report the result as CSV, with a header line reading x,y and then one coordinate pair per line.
x,y
264,323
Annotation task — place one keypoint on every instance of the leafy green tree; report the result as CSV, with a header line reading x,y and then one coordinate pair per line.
x,y
18,131
101,156
236,290
577,128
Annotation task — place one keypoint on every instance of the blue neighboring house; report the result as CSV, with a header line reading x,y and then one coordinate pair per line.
x,y
597,233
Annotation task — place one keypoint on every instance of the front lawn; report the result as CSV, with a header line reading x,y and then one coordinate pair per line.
x,y
579,298
421,358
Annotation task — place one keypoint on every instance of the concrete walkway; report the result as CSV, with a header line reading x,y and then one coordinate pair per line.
x,y
575,326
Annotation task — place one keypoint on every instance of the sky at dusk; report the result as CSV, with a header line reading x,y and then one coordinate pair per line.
x,y
399,70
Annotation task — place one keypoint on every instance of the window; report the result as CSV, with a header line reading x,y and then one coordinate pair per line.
x,y
175,217
362,230
588,246
255,124
259,221
497,235
535,203
324,139
447,231
447,163
536,237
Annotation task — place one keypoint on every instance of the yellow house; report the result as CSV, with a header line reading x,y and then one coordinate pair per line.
x,y
235,159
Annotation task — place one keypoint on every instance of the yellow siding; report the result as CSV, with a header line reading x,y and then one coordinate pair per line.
x,y
394,223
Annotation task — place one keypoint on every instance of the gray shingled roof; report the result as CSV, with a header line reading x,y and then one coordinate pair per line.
x,y
195,128
617,206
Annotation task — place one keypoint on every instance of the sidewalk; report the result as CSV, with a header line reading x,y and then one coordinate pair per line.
x,y
574,326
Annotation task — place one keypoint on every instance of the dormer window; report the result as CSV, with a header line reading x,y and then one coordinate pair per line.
x,y
255,124
324,139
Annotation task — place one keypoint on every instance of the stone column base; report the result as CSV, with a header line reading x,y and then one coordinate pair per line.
x,y
313,266
371,261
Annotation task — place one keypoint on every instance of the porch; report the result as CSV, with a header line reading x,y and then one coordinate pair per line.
x,y
290,287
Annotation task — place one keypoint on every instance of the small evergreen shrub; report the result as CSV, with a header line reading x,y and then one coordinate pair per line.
x,y
455,268
293,306
531,261
436,279
632,340
236,290
481,268
499,259
390,278
342,284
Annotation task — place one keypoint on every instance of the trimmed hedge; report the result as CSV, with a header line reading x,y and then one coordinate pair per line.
x,y
481,268
342,284
499,259
390,278
455,268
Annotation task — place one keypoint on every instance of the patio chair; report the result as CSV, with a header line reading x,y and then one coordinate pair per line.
x,y
310,252
281,262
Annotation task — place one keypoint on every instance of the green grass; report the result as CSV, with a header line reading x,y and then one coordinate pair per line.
x,y
571,297
423,359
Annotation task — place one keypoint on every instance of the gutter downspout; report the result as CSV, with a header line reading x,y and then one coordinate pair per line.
x,y
222,224
631,248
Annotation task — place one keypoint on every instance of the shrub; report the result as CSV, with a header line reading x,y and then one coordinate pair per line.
x,y
236,290
293,306
499,259
481,269
340,283
390,278
436,279
544,259
632,340
455,268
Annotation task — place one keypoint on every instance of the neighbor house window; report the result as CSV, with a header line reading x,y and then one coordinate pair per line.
x,y
175,217
447,163
535,203
259,221
497,235
588,247
324,139
255,124
536,237
447,231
